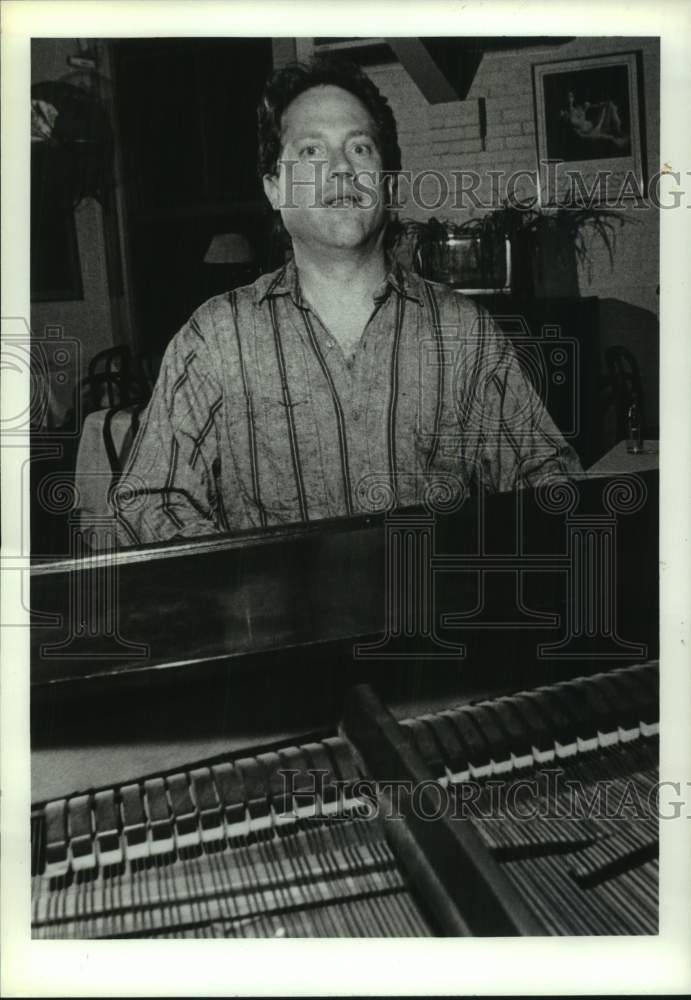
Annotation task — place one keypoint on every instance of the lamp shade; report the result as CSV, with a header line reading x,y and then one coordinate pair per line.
x,y
229,248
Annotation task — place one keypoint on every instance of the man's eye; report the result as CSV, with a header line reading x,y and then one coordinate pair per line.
x,y
309,150
362,149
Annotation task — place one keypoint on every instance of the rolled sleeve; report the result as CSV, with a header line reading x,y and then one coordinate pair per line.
x,y
518,445
168,489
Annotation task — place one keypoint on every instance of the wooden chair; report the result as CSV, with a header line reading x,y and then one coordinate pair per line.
x,y
109,378
143,373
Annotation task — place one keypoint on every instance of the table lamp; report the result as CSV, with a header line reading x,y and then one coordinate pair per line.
x,y
232,255
229,248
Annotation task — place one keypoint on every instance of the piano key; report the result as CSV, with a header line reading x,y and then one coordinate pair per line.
x,y
461,771
486,721
641,699
606,712
160,818
454,754
563,726
539,732
604,717
576,702
185,816
518,737
57,861
280,799
256,793
426,745
305,785
629,695
649,704
82,846
106,824
208,804
473,739
627,713
294,764
325,779
133,822
231,792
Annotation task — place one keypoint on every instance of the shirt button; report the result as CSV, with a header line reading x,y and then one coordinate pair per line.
x,y
356,414
329,344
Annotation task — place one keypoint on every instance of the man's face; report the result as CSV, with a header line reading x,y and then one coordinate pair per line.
x,y
325,187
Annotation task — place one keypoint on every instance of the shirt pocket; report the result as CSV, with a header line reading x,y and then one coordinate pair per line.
x,y
280,459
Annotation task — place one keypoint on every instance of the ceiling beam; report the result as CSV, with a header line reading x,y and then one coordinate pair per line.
x,y
416,59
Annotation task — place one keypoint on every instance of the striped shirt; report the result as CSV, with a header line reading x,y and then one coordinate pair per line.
x,y
258,418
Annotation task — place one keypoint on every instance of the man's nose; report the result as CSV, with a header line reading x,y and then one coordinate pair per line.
x,y
339,162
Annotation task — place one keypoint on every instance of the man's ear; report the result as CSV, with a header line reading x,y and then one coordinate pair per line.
x,y
271,190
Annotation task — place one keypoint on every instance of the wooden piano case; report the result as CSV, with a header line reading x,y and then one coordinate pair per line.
x,y
239,649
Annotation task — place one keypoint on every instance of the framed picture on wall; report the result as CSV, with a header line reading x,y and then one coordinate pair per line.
x,y
589,128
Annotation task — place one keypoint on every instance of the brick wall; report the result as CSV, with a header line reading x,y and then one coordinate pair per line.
x,y
446,137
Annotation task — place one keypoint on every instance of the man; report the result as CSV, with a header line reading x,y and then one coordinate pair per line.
x,y
341,380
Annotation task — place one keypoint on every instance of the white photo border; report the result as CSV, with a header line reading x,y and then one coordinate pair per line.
x,y
593,966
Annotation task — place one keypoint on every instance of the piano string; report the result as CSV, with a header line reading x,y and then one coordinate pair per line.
x,y
293,841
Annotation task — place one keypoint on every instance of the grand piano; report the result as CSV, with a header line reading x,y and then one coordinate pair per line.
x,y
396,725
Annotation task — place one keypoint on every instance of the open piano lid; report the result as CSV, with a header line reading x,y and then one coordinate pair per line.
x,y
502,575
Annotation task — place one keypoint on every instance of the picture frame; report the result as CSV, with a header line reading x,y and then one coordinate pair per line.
x,y
589,129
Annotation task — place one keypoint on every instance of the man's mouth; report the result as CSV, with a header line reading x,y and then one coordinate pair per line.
x,y
348,201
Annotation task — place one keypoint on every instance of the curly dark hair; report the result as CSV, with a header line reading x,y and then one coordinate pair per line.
x,y
289,82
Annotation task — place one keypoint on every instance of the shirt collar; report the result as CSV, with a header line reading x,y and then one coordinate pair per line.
x,y
402,281
286,281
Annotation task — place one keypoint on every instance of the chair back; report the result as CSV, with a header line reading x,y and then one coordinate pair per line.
x,y
109,378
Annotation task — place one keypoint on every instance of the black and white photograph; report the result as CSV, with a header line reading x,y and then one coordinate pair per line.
x,y
588,115
338,555
588,108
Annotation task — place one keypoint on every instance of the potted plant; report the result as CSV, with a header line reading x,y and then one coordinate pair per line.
x,y
470,255
547,246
